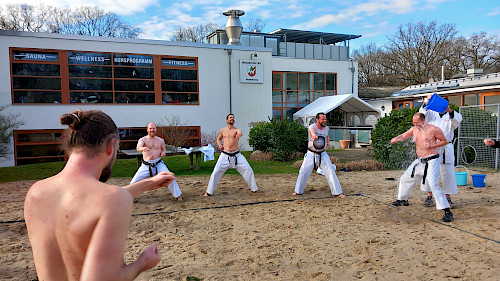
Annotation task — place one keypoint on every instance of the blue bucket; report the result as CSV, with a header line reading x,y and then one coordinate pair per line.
x,y
437,103
478,180
461,177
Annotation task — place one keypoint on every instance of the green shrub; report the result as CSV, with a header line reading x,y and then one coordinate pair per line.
x,y
398,155
282,137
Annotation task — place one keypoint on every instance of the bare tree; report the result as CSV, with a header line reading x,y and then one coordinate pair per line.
x,y
83,21
255,25
417,50
210,138
372,70
481,51
194,33
8,122
173,131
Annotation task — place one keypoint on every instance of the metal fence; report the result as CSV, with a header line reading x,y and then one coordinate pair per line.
x,y
479,122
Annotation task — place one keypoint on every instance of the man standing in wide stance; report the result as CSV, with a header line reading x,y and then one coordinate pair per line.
x,y
230,158
316,156
153,149
428,138
77,225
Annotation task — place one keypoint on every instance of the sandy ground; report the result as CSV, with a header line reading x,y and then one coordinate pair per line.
x,y
283,237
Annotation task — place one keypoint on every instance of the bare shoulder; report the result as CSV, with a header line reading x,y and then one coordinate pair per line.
x,y
40,190
113,194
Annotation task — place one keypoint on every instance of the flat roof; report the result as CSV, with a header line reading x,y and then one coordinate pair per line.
x,y
302,36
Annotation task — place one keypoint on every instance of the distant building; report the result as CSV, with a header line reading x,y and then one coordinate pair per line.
x,y
475,89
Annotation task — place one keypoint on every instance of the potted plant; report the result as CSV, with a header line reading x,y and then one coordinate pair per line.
x,y
345,141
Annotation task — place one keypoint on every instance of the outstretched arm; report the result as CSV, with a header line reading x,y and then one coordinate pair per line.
x,y
313,134
403,136
141,146
161,179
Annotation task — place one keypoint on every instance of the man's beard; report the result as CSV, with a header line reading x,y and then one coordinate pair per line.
x,y
106,172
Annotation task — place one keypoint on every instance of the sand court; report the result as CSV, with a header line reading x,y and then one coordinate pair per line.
x,y
273,235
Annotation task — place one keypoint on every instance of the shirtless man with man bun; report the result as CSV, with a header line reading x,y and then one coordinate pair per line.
x,y
77,224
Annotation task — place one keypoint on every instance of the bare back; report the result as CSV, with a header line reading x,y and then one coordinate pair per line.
x,y
231,136
68,216
155,147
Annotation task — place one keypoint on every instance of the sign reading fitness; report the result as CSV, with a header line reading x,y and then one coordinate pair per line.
x,y
251,71
178,62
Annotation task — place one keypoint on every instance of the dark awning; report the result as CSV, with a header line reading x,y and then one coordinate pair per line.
x,y
301,36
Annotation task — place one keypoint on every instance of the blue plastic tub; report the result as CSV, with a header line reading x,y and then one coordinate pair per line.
x,y
478,180
437,103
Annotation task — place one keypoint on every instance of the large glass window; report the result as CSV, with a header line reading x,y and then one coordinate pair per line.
x,y
92,77
36,77
470,100
295,90
179,80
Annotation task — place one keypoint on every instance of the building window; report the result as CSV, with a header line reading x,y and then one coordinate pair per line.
x,y
57,76
470,100
295,90
179,80
36,77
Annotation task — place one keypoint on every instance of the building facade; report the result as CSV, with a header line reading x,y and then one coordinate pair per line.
x,y
137,81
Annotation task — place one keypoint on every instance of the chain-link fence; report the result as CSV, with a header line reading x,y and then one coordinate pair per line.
x,y
479,122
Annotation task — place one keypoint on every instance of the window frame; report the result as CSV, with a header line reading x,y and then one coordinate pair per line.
x,y
63,61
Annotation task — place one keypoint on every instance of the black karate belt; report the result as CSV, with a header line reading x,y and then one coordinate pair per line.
x,y
232,154
319,154
444,155
151,166
426,162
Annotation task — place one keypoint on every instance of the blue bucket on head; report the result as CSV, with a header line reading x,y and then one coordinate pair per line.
x,y
437,103
478,180
461,177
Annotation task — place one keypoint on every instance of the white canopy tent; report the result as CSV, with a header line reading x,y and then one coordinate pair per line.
x,y
350,104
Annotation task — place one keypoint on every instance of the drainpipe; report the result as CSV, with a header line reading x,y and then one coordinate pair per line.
x,y
229,52
352,78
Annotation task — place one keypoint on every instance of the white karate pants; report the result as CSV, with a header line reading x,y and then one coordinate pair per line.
x,y
407,183
225,162
327,168
143,173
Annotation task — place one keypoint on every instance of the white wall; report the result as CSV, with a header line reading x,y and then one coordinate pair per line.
x,y
378,103
250,102
345,83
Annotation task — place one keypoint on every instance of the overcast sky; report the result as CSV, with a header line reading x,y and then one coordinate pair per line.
x,y
373,20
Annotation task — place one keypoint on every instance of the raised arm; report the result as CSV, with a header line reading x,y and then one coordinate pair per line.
x,y
455,118
403,136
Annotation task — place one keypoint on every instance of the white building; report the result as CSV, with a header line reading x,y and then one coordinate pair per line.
x,y
136,81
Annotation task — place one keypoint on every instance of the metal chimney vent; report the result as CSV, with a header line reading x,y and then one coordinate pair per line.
x,y
233,26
